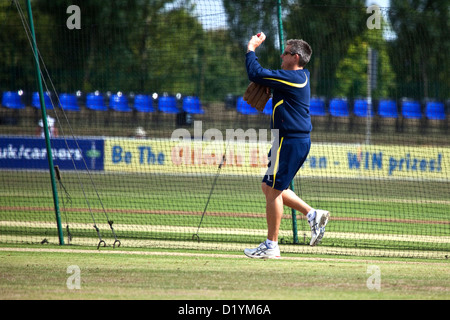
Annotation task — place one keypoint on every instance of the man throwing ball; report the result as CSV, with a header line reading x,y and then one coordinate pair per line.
x,y
291,126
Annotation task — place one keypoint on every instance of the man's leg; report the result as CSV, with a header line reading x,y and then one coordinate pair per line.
x,y
317,219
291,200
274,211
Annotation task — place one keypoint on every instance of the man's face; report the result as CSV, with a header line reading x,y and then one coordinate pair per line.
x,y
289,61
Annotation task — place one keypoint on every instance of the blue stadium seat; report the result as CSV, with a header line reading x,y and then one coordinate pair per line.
x,y
317,107
35,102
167,104
192,105
387,109
95,101
360,108
244,108
268,107
12,100
68,102
119,102
411,109
143,103
435,110
339,107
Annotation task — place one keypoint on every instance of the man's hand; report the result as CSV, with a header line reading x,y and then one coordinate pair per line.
x,y
256,41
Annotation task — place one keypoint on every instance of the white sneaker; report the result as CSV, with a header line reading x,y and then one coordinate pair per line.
x,y
318,226
263,252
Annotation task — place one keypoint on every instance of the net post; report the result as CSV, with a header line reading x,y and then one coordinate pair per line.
x,y
280,27
294,219
371,83
45,125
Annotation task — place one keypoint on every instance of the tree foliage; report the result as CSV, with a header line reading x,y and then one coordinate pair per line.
x,y
161,46
330,28
352,70
420,51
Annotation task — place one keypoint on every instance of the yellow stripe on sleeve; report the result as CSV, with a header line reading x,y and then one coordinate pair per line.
x,y
292,84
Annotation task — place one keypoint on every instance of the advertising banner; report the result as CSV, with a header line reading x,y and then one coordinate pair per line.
x,y
243,158
68,154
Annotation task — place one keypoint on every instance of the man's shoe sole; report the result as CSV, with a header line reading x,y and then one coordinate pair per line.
x,y
254,256
322,223
262,257
324,220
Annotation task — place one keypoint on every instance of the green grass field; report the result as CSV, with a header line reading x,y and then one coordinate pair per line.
x,y
383,218
374,226
400,229
41,272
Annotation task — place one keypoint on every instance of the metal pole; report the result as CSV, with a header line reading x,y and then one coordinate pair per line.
x,y
281,37
369,95
280,27
45,124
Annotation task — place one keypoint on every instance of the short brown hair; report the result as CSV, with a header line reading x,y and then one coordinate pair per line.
x,y
302,48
